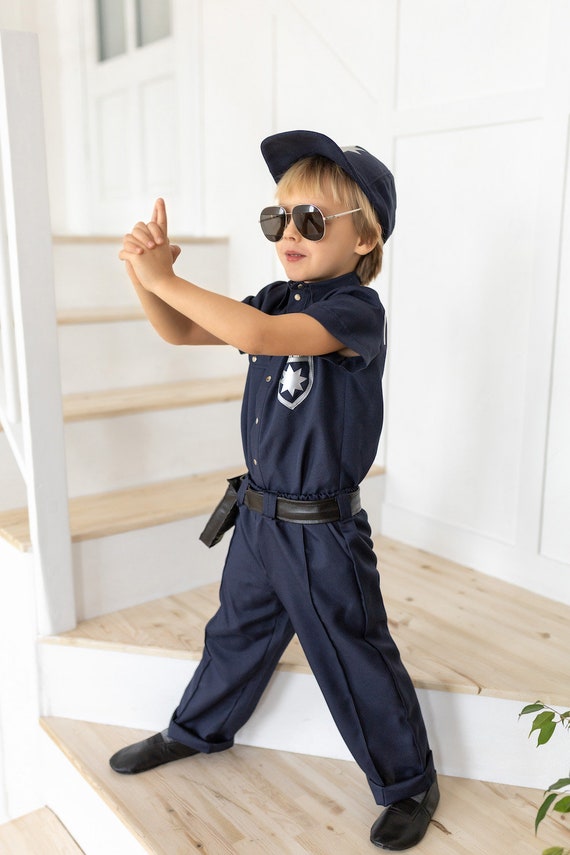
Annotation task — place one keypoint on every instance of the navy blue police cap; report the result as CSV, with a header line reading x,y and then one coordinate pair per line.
x,y
374,178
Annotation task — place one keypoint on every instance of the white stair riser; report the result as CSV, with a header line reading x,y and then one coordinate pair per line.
x,y
130,353
471,736
95,826
126,569
89,274
123,451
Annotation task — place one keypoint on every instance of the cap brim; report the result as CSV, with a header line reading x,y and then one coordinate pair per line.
x,y
281,151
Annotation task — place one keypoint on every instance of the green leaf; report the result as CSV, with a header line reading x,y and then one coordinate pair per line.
x,y
555,850
563,806
559,785
547,715
546,726
543,809
546,732
530,708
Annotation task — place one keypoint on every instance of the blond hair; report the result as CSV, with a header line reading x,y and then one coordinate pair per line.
x,y
321,175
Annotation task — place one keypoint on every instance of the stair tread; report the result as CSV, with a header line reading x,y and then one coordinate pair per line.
x,y
143,506
252,800
99,314
458,630
37,833
116,402
104,514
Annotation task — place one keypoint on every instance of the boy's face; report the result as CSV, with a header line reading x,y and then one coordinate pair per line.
x,y
336,254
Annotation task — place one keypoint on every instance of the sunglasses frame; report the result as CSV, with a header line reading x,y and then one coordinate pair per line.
x,y
286,216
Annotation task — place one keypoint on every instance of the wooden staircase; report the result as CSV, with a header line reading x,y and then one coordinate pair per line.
x,y
254,799
147,462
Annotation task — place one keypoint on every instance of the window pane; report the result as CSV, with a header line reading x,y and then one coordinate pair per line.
x,y
153,21
111,28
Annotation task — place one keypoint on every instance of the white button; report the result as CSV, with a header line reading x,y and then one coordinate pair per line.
x,y
267,379
254,358
257,421
255,461
297,296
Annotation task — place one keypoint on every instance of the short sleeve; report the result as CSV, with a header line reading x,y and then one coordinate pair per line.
x,y
356,318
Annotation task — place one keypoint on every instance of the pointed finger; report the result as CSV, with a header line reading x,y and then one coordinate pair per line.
x,y
159,215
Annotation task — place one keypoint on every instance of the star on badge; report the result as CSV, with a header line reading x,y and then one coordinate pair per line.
x,y
292,381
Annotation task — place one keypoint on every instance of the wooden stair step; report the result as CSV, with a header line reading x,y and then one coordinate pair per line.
x,y
251,800
99,315
37,833
82,406
118,511
457,629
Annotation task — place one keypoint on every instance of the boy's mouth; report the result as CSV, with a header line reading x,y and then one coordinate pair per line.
x,y
293,256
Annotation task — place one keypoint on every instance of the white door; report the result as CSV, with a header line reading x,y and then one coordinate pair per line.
x,y
141,83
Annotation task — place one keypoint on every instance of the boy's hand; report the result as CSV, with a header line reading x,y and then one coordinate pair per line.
x,y
147,250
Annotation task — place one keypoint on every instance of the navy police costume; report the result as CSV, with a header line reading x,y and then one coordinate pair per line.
x,y
310,429
301,558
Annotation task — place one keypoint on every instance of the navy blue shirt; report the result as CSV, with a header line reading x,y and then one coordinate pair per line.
x,y
311,424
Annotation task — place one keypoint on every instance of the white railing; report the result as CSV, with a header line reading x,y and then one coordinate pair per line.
x,y
30,388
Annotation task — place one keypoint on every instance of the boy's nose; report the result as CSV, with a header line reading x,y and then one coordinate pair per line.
x,y
291,230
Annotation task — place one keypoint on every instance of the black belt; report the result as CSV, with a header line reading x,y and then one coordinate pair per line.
x,y
301,511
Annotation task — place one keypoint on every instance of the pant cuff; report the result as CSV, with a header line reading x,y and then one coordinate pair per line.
x,y
403,789
180,734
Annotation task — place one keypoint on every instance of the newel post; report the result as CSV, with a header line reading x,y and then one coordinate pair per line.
x,y
28,269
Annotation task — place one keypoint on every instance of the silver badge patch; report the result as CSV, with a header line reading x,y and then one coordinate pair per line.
x,y
296,381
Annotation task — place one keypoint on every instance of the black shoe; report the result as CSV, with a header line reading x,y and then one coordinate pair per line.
x,y
404,823
149,753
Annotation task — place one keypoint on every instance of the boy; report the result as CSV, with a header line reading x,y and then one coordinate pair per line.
x,y
301,559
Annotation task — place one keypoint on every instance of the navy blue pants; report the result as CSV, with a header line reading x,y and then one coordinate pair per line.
x,y
321,582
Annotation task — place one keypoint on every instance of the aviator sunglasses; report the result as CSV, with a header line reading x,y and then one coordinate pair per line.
x,y
309,221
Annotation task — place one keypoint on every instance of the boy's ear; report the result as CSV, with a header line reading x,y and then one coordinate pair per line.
x,y
363,247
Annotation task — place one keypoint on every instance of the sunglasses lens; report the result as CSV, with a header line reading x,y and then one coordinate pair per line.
x,y
309,221
272,221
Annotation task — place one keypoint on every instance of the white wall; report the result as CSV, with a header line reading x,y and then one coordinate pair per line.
x,y
477,468
468,101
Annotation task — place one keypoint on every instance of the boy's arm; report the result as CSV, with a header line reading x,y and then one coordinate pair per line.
x,y
169,323
214,316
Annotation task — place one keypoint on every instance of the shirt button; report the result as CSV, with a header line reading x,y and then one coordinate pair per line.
x,y
267,379
297,297
254,358
257,421
255,461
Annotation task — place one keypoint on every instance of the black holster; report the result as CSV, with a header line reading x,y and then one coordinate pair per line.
x,y
224,515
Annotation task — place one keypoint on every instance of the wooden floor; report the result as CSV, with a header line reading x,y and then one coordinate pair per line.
x,y
458,630
250,801
37,833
